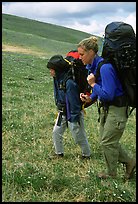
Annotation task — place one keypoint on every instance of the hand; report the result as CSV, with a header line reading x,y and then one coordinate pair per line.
x,y
91,80
82,97
85,98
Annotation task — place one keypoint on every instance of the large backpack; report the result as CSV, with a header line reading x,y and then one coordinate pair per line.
x,y
119,48
77,71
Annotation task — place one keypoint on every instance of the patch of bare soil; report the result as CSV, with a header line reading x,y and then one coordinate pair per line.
x,y
10,48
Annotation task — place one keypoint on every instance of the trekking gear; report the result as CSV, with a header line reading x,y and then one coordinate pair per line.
x,y
119,49
75,70
78,71
79,74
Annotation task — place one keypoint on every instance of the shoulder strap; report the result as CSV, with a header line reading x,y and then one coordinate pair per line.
x,y
71,64
98,69
68,75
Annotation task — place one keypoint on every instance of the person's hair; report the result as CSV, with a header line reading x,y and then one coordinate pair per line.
x,y
89,43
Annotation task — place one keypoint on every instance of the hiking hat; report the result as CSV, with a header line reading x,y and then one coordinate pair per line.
x,y
57,63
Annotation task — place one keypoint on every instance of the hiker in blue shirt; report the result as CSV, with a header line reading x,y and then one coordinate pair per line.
x,y
69,106
108,92
110,77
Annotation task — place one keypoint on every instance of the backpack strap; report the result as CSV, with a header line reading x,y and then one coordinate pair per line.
x,y
68,61
71,63
68,75
98,69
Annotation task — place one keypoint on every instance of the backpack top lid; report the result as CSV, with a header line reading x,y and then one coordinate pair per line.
x,y
73,54
119,30
117,34
57,63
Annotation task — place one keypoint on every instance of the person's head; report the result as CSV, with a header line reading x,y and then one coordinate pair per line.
x,y
57,65
88,48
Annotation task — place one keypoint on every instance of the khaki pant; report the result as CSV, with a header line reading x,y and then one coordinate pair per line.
x,y
112,125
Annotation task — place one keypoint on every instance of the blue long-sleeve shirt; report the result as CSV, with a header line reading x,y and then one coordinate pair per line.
x,y
70,98
108,85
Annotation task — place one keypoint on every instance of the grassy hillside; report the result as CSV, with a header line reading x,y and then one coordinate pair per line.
x,y
38,36
45,30
36,43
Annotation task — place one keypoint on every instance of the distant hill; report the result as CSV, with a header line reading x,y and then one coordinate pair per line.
x,y
39,36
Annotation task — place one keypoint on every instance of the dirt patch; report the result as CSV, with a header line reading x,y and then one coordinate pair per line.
x,y
10,48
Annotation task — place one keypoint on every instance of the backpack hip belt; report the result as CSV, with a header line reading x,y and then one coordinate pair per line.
x,y
119,101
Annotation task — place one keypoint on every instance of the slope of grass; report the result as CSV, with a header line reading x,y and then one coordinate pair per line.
x,y
36,43
38,36
45,30
28,113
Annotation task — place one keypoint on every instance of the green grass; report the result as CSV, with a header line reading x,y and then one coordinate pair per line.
x,y
36,43
28,113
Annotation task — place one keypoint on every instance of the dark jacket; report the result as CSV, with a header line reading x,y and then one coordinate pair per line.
x,y
69,97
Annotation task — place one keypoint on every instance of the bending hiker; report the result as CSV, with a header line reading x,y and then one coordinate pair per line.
x,y
69,107
107,89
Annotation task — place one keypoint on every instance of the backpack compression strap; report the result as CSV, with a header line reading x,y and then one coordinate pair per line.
x,y
70,63
72,67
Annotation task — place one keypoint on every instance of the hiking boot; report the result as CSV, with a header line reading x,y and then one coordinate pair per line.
x,y
85,157
56,156
103,175
130,167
